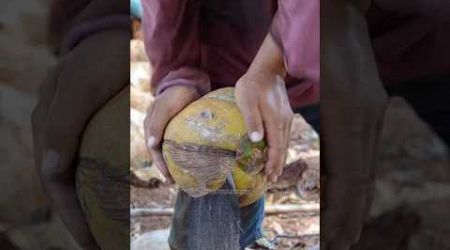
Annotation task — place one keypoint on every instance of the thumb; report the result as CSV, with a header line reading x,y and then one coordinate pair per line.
x,y
252,118
166,106
158,119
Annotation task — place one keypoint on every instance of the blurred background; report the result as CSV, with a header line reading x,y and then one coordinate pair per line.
x,y
411,201
26,219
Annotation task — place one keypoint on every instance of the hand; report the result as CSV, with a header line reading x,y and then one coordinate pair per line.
x,y
263,101
68,100
164,107
352,110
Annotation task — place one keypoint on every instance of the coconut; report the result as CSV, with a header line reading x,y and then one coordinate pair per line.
x,y
102,176
206,141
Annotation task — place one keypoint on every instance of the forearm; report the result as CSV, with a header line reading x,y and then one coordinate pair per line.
x,y
353,103
269,58
354,99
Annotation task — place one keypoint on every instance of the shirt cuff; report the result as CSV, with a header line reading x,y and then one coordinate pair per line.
x,y
75,35
188,77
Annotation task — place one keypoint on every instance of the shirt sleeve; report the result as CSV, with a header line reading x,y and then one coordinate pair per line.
x,y
296,29
172,43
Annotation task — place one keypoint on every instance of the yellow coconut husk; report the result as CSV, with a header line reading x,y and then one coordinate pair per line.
x,y
102,177
202,144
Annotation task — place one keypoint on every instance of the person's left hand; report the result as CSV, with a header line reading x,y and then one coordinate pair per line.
x,y
263,101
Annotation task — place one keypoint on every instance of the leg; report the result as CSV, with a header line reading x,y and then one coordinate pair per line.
x,y
252,217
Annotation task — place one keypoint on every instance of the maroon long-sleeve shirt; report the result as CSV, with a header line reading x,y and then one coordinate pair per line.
x,y
410,39
210,44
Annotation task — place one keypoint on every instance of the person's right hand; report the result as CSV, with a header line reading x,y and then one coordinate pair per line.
x,y
352,107
164,107
67,101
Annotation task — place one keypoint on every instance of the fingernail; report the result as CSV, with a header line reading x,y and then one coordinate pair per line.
x,y
256,136
151,141
274,179
50,160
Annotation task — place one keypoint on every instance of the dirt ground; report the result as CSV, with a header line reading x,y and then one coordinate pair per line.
x,y
296,230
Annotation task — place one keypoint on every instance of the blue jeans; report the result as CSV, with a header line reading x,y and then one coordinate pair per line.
x,y
252,217
215,221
